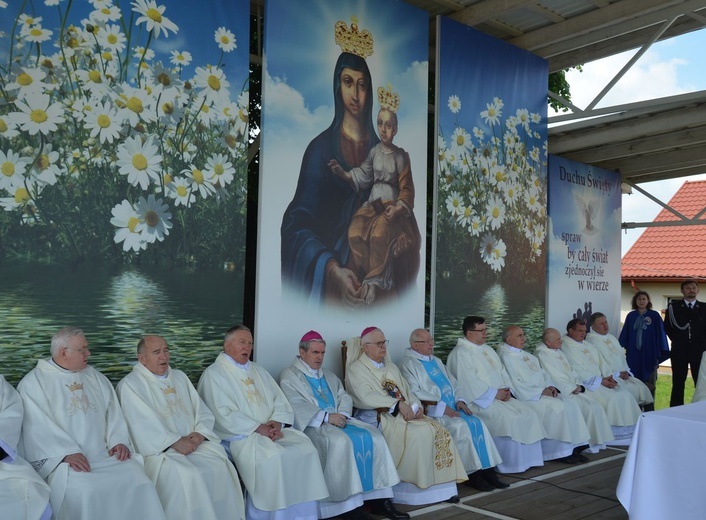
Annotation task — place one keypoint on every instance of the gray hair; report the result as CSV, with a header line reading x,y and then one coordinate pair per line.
x,y
414,336
61,338
507,330
233,330
549,332
304,345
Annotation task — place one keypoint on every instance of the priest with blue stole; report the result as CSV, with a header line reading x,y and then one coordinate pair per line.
x,y
432,383
357,464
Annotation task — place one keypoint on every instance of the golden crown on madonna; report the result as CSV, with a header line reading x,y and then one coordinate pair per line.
x,y
352,40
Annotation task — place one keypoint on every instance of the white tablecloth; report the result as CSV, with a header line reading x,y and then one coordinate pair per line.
x,y
663,475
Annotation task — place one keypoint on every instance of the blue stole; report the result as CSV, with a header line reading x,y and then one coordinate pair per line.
x,y
447,395
360,437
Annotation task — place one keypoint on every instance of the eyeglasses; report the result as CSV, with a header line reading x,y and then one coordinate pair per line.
x,y
378,344
478,330
425,341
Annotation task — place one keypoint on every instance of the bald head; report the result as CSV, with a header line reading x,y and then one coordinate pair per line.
x,y
153,353
552,338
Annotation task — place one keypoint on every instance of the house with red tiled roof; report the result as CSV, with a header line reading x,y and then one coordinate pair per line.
x,y
664,256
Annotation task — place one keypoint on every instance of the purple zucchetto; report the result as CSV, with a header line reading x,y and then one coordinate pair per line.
x,y
312,335
368,330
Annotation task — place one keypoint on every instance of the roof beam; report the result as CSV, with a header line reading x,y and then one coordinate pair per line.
x,y
672,160
616,45
483,11
612,15
665,174
656,143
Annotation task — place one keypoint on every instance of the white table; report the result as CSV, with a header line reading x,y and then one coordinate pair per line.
x,y
663,473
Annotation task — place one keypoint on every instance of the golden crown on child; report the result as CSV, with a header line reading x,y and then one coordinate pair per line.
x,y
388,100
351,40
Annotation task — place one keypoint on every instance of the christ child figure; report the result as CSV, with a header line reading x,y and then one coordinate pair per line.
x,y
384,227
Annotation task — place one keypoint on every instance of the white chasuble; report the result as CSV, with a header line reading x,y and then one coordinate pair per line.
x,y
479,372
557,367
472,438
336,451
276,474
159,411
562,419
23,493
619,404
78,412
423,450
614,361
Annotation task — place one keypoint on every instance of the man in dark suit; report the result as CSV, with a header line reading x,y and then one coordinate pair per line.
x,y
685,324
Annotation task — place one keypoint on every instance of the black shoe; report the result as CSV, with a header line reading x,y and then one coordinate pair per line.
x,y
492,478
571,459
356,514
386,508
476,481
577,453
453,500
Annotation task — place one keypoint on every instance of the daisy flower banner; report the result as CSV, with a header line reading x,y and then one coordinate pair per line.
x,y
124,131
491,180
583,267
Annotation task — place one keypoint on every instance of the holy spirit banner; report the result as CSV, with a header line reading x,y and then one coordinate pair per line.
x,y
342,199
584,243
490,219
123,160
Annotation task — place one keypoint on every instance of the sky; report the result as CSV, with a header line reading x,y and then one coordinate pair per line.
x,y
668,68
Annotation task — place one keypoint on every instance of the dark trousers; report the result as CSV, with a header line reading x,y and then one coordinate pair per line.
x,y
681,358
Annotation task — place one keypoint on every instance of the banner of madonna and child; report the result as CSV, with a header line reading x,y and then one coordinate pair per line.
x,y
343,171
584,243
123,151
490,220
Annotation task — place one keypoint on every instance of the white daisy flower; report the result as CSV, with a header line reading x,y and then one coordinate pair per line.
x,y
454,204
112,38
102,120
12,169
29,81
18,198
479,133
46,169
181,192
36,34
461,140
454,104
498,176
8,129
38,115
197,180
491,115
523,116
476,226
225,39
105,12
182,58
511,195
126,218
487,244
141,162
213,84
495,212
497,255
134,105
93,80
154,218
220,170
532,200
152,16
140,52
465,217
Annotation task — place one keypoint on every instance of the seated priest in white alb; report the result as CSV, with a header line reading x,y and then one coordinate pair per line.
x,y
613,360
173,430
75,436
425,455
555,364
23,493
354,456
431,383
562,419
516,429
278,464
619,404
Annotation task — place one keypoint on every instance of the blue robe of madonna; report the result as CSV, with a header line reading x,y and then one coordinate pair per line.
x,y
645,342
